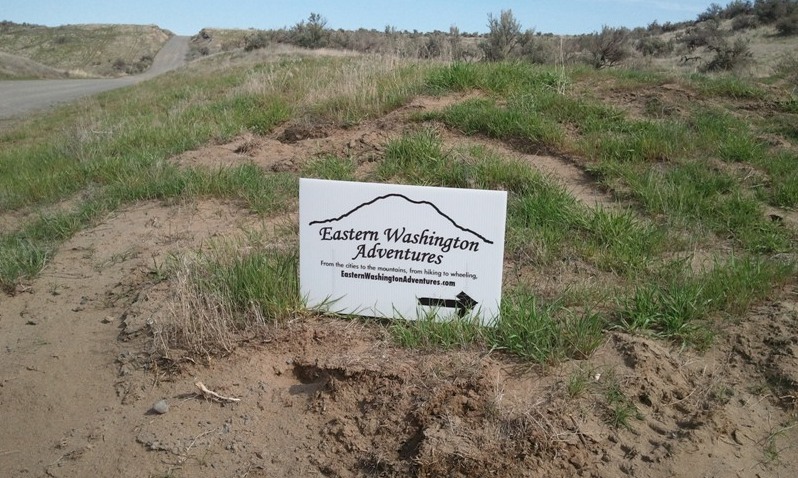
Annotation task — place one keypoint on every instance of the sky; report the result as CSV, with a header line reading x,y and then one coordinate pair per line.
x,y
187,17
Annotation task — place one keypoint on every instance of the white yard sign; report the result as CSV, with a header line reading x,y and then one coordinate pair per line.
x,y
387,250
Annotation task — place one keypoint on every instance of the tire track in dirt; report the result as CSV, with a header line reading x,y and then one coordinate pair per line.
x,y
575,180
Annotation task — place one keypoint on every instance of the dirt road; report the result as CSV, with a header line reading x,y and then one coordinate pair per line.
x,y
23,96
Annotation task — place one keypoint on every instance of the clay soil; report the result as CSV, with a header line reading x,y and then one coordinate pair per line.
x,y
321,396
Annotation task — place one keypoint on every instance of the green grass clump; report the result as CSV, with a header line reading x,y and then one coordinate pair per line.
x,y
736,284
678,309
728,86
420,158
331,167
620,241
517,122
526,329
20,258
503,79
222,295
781,190
691,194
671,311
261,285
428,332
544,334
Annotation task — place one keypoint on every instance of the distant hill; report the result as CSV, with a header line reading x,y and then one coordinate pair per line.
x,y
14,67
34,51
742,44
743,38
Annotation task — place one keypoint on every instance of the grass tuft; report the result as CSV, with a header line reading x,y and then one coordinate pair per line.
x,y
225,294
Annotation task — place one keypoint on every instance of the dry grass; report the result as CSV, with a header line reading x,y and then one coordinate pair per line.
x,y
339,91
18,67
765,45
199,324
89,48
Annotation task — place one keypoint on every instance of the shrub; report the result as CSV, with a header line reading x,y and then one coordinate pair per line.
x,y
770,11
119,64
788,25
607,48
713,12
537,50
434,46
312,34
668,27
737,8
456,43
255,41
654,28
503,37
729,57
744,22
654,46
702,35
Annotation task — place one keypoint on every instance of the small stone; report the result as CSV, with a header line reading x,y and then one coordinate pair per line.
x,y
161,407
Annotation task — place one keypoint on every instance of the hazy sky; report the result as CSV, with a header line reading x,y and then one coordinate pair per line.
x,y
187,17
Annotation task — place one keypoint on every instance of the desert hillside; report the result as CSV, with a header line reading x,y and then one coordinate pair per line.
x,y
78,51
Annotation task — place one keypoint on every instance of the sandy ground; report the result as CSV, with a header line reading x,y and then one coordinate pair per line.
x,y
333,397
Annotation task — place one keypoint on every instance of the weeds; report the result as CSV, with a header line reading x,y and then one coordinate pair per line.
x,y
619,409
578,383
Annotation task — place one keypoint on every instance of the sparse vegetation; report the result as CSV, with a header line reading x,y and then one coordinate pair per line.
x,y
651,211
681,195
85,50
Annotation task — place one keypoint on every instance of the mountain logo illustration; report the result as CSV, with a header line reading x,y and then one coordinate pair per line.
x,y
385,197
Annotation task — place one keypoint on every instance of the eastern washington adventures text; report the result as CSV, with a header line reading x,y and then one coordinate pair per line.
x,y
398,236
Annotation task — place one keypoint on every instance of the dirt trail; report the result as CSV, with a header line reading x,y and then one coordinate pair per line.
x,y
18,97
60,351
